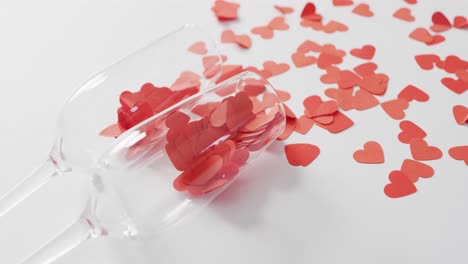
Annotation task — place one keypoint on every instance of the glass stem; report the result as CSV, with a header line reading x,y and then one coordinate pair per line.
x,y
77,233
28,185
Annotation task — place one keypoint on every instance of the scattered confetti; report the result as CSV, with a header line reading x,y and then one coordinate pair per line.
x,y
411,92
427,61
395,108
411,2
363,10
422,151
409,131
400,185
275,68
228,36
284,9
404,14
301,154
460,22
225,10
342,2
460,113
422,35
267,32
308,13
366,52
198,48
459,153
415,169
440,22
371,154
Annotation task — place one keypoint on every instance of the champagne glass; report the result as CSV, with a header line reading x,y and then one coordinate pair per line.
x,y
78,144
165,168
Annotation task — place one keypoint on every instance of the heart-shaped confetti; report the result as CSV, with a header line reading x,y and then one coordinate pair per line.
x,y
409,131
440,22
399,185
376,83
342,2
460,113
284,9
225,10
334,26
459,153
422,35
427,61
198,48
411,92
422,151
340,123
395,108
404,14
415,169
363,100
348,79
366,52
366,69
456,85
411,2
275,68
363,10
301,60
304,124
228,36
301,154
460,22
371,154
309,13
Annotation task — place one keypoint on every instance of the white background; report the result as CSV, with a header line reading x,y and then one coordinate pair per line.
x,y
333,211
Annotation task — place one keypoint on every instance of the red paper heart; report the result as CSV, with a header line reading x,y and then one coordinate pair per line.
x,y
395,108
411,92
460,22
275,68
422,35
371,154
457,86
278,23
348,79
363,10
301,154
422,151
340,123
404,14
333,26
363,100
342,2
461,114
376,84
366,52
410,130
441,23
309,13
301,60
225,10
427,61
264,31
415,169
459,153
284,9
399,185
366,69
198,48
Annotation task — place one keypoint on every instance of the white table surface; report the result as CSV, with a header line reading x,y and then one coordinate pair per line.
x,y
333,211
